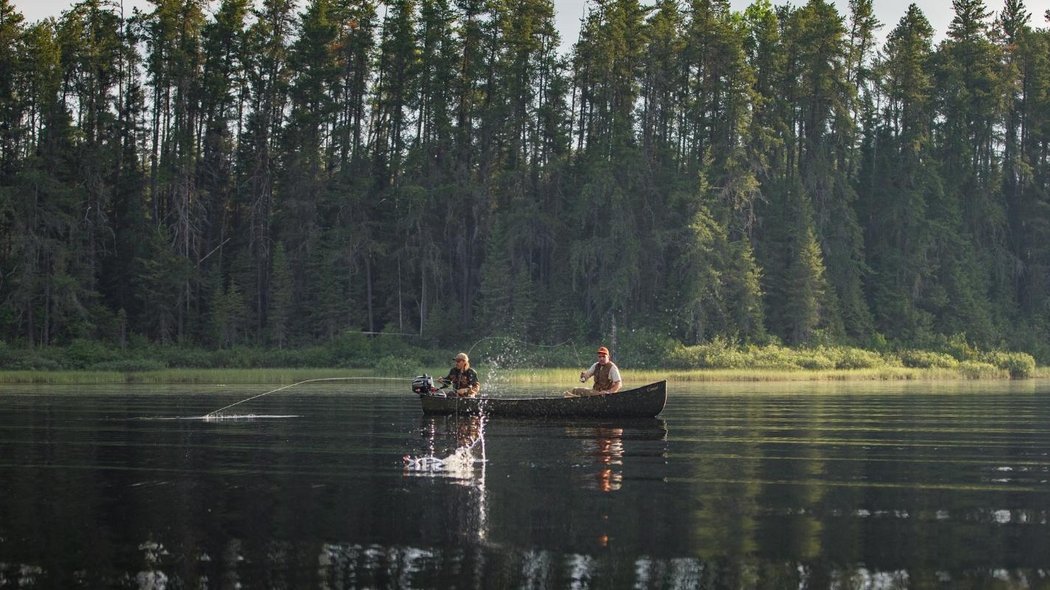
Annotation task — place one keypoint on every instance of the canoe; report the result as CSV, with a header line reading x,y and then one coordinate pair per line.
x,y
641,402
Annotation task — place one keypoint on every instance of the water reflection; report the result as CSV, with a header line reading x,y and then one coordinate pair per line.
x,y
152,578
355,566
607,449
873,490
602,443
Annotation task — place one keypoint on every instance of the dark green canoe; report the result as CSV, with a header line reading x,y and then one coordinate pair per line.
x,y
641,402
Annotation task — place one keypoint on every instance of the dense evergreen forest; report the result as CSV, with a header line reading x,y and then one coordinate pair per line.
x,y
276,174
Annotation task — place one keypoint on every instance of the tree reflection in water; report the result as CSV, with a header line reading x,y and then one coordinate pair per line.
x,y
366,566
746,491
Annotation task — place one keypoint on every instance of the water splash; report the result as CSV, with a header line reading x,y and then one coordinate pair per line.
x,y
502,354
460,464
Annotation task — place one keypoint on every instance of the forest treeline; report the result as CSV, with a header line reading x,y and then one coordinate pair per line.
x,y
277,174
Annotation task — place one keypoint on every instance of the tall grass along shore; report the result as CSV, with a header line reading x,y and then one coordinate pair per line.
x,y
510,359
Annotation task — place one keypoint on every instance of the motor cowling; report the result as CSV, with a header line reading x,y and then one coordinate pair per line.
x,y
423,384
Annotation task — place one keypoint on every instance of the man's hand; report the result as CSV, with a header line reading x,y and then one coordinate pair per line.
x,y
462,391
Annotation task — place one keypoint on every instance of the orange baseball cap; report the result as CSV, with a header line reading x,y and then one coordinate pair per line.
x,y
604,351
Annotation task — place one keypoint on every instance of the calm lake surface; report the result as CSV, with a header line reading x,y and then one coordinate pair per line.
x,y
347,485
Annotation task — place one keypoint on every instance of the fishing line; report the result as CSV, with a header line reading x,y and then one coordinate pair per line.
x,y
513,339
210,415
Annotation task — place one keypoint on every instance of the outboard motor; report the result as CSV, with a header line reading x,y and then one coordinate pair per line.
x,y
423,385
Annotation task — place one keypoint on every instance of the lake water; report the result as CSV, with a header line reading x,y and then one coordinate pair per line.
x,y
347,485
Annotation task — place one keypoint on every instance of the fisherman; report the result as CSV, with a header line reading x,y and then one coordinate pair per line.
x,y
463,378
606,377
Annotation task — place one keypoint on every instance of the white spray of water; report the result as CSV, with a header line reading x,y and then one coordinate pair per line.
x,y
459,464
507,355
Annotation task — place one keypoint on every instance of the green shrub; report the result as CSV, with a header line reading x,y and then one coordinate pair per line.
x,y
129,365
1019,364
724,358
296,358
880,343
29,361
816,361
683,357
856,358
643,348
392,342
774,356
350,349
924,359
717,354
81,354
391,366
978,370
187,358
957,346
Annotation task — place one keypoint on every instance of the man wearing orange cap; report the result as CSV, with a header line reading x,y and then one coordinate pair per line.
x,y
606,377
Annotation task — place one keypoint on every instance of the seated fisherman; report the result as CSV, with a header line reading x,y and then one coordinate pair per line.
x,y
463,378
606,377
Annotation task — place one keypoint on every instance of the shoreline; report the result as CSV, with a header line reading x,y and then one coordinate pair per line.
x,y
523,376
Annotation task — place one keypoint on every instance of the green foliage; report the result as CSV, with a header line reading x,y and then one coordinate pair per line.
x,y
1020,365
643,348
129,366
185,358
857,358
959,347
924,359
253,176
816,361
720,354
978,370
17,359
83,354
392,366
349,349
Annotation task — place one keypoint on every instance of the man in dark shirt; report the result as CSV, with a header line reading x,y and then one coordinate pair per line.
x,y
463,378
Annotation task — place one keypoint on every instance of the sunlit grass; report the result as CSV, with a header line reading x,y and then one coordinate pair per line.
x,y
539,376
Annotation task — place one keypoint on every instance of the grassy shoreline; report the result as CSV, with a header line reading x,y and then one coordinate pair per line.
x,y
511,362
514,376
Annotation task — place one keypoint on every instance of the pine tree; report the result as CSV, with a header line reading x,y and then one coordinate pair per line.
x,y
12,74
970,95
895,181
222,86
256,169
